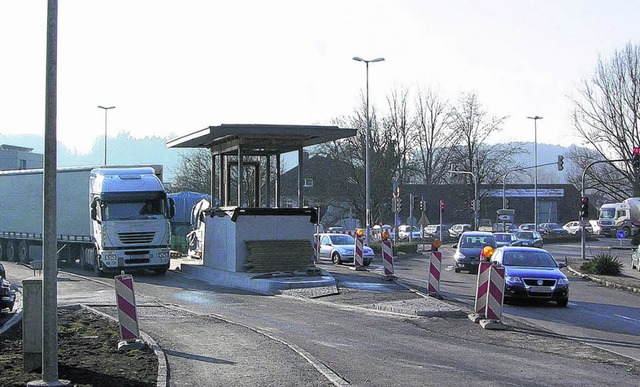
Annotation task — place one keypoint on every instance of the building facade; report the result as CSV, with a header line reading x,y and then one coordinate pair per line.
x,y
17,157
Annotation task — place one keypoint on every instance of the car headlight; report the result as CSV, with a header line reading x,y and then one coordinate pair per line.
x,y
563,281
512,280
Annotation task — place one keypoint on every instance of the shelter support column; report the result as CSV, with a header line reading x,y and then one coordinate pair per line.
x,y
300,178
240,176
277,195
213,177
267,196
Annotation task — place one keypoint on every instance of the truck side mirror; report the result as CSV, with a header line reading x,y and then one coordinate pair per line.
x,y
172,208
94,210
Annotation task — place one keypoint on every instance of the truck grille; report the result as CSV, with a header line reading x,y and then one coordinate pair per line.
x,y
129,238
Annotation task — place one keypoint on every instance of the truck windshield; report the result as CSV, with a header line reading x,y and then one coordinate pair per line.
x,y
133,210
607,213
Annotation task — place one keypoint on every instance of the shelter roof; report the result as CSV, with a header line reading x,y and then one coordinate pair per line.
x,y
259,139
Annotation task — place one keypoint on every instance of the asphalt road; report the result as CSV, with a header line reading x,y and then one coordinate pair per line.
x,y
597,315
199,325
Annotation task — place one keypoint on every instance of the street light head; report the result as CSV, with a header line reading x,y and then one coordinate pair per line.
x,y
106,107
376,60
358,59
535,118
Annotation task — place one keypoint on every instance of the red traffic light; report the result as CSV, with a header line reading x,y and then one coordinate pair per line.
x,y
442,205
585,200
636,151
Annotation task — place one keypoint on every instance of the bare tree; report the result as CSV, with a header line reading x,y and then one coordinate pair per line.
x,y
488,162
433,137
605,115
397,126
193,172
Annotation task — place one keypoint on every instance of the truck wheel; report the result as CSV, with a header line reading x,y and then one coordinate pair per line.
x,y
96,267
11,251
84,259
626,231
23,252
162,271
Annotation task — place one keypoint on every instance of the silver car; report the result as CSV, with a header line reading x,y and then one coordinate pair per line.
x,y
340,248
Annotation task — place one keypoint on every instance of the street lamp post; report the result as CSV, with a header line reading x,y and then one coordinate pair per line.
x,y
367,164
106,109
535,163
475,196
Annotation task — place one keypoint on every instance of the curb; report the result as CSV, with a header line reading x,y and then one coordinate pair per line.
x,y
604,282
163,370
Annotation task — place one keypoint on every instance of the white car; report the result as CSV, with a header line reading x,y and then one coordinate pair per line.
x,y
404,230
457,229
574,227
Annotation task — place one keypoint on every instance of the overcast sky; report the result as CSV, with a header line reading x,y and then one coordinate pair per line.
x,y
174,67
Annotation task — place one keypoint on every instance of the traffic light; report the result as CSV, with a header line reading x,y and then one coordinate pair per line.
x,y
584,208
560,162
635,159
441,205
421,205
398,204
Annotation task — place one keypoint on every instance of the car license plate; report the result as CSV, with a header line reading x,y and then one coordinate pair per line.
x,y
540,289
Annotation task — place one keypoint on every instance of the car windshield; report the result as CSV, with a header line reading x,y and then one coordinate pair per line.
x,y
553,225
342,240
525,235
502,237
477,241
528,258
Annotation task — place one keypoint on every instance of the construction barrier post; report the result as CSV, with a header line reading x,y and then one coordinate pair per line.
x,y
358,252
435,266
316,248
482,288
127,315
387,260
495,298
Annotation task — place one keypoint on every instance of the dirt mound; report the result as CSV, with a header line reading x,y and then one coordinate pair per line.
x,y
87,354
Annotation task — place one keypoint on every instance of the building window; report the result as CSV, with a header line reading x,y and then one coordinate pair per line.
x,y
308,182
22,164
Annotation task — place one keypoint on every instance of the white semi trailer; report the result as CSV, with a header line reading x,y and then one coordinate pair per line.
x,y
110,219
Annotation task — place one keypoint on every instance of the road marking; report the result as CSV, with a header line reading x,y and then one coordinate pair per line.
x,y
627,318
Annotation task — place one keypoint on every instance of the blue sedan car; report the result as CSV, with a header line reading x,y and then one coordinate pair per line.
x,y
532,274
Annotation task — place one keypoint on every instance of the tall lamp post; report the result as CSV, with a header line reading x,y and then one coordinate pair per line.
x,y
106,109
475,196
535,164
367,164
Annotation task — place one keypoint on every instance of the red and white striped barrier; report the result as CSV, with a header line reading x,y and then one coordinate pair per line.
x,y
387,259
495,294
435,266
482,288
358,253
489,296
127,315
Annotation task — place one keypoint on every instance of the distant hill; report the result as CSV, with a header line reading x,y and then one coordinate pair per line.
x,y
122,149
125,149
547,153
